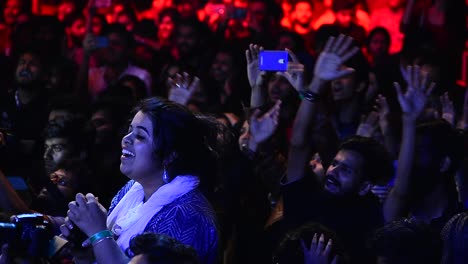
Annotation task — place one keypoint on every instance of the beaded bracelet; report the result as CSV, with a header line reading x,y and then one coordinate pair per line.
x,y
99,236
310,96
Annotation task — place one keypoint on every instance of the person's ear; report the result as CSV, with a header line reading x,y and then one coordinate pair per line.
x,y
445,164
365,188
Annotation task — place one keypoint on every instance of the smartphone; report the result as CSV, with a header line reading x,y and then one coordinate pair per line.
x,y
103,3
273,60
102,42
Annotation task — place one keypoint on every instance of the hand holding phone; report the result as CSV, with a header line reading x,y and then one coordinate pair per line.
x,y
273,60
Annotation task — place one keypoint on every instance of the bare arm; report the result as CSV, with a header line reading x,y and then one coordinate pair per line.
x,y
412,103
326,69
255,76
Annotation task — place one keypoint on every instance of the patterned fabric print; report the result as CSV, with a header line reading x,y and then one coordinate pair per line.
x,y
189,219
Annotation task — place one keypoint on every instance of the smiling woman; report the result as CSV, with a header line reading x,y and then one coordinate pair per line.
x,y
165,153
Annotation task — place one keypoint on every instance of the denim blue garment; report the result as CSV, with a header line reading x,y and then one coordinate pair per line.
x,y
189,219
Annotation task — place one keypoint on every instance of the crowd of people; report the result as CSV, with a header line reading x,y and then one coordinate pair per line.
x,y
148,132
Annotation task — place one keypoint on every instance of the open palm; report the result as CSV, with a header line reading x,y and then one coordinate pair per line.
x,y
254,74
263,127
182,89
413,101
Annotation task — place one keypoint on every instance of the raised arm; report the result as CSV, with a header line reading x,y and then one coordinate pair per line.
x,y
255,76
412,104
89,46
326,69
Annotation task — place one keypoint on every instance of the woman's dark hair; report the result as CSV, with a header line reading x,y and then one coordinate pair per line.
x,y
378,30
378,164
455,238
181,139
160,248
406,241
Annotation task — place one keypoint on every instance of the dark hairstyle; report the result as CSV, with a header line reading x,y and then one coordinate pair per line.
x,y
78,134
160,248
378,163
339,5
129,12
178,131
170,12
445,141
290,249
69,104
120,30
455,238
71,18
379,30
407,242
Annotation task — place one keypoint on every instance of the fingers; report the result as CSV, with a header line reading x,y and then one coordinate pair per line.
x,y
337,45
328,248
344,73
329,44
293,56
398,89
430,89
350,53
321,243
195,84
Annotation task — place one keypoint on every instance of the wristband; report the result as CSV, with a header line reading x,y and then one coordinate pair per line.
x,y
310,96
99,236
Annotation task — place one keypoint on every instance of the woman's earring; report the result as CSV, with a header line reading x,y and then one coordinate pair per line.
x,y
165,176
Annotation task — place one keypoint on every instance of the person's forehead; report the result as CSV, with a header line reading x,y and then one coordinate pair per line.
x,y
142,120
349,157
56,141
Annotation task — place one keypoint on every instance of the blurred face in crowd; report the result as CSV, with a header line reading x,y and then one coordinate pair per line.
x,y
303,13
117,51
126,21
161,4
343,89
65,182
77,30
11,11
395,4
137,160
378,45
286,42
344,176
65,9
186,39
103,126
257,11
222,67
165,28
279,88
344,17
186,9
56,150
97,26
28,70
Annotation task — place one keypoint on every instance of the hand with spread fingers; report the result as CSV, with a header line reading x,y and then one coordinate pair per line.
x,y
413,101
182,88
336,52
295,72
263,127
319,251
255,76
87,214
368,125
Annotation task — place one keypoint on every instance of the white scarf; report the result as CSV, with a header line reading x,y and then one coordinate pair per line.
x,y
131,215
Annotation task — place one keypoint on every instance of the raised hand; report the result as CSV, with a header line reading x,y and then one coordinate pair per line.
x,y
383,109
319,251
368,125
263,127
182,88
448,110
336,52
414,100
88,214
381,191
295,72
255,76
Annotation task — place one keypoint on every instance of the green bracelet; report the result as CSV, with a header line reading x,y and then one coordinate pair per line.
x,y
100,235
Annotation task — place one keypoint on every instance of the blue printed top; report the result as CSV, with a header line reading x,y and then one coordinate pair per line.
x,y
189,219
